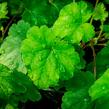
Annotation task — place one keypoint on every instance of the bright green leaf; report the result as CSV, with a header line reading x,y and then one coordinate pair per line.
x,y
3,10
48,59
100,12
100,88
72,21
88,32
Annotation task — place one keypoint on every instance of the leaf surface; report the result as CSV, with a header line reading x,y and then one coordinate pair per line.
x,y
48,58
100,88
72,23
10,49
100,12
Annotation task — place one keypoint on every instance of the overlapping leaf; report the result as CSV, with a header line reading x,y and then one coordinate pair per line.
x,y
9,50
15,7
102,104
106,30
102,61
77,96
100,88
71,23
80,80
18,84
42,12
76,100
48,58
5,86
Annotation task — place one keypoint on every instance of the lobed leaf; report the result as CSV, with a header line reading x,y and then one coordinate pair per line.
x,y
72,23
47,58
100,12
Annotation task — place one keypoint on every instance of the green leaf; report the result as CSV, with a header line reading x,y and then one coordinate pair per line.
x,y
76,100
88,32
71,23
10,49
13,83
5,86
47,58
3,10
15,7
8,106
106,30
100,12
102,104
106,1
24,86
42,12
79,81
100,88
102,61
77,96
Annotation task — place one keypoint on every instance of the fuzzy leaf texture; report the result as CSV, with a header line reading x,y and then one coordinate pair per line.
x,y
100,89
100,12
3,10
72,22
10,49
48,59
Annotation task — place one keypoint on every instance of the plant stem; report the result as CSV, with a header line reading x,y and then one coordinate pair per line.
x,y
91,20
99,36
94,60
53,4
101,44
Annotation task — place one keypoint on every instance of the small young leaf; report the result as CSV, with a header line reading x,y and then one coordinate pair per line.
x,y
100,12
3,10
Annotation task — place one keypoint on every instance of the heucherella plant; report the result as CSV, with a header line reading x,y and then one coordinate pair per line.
x,y
54,45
